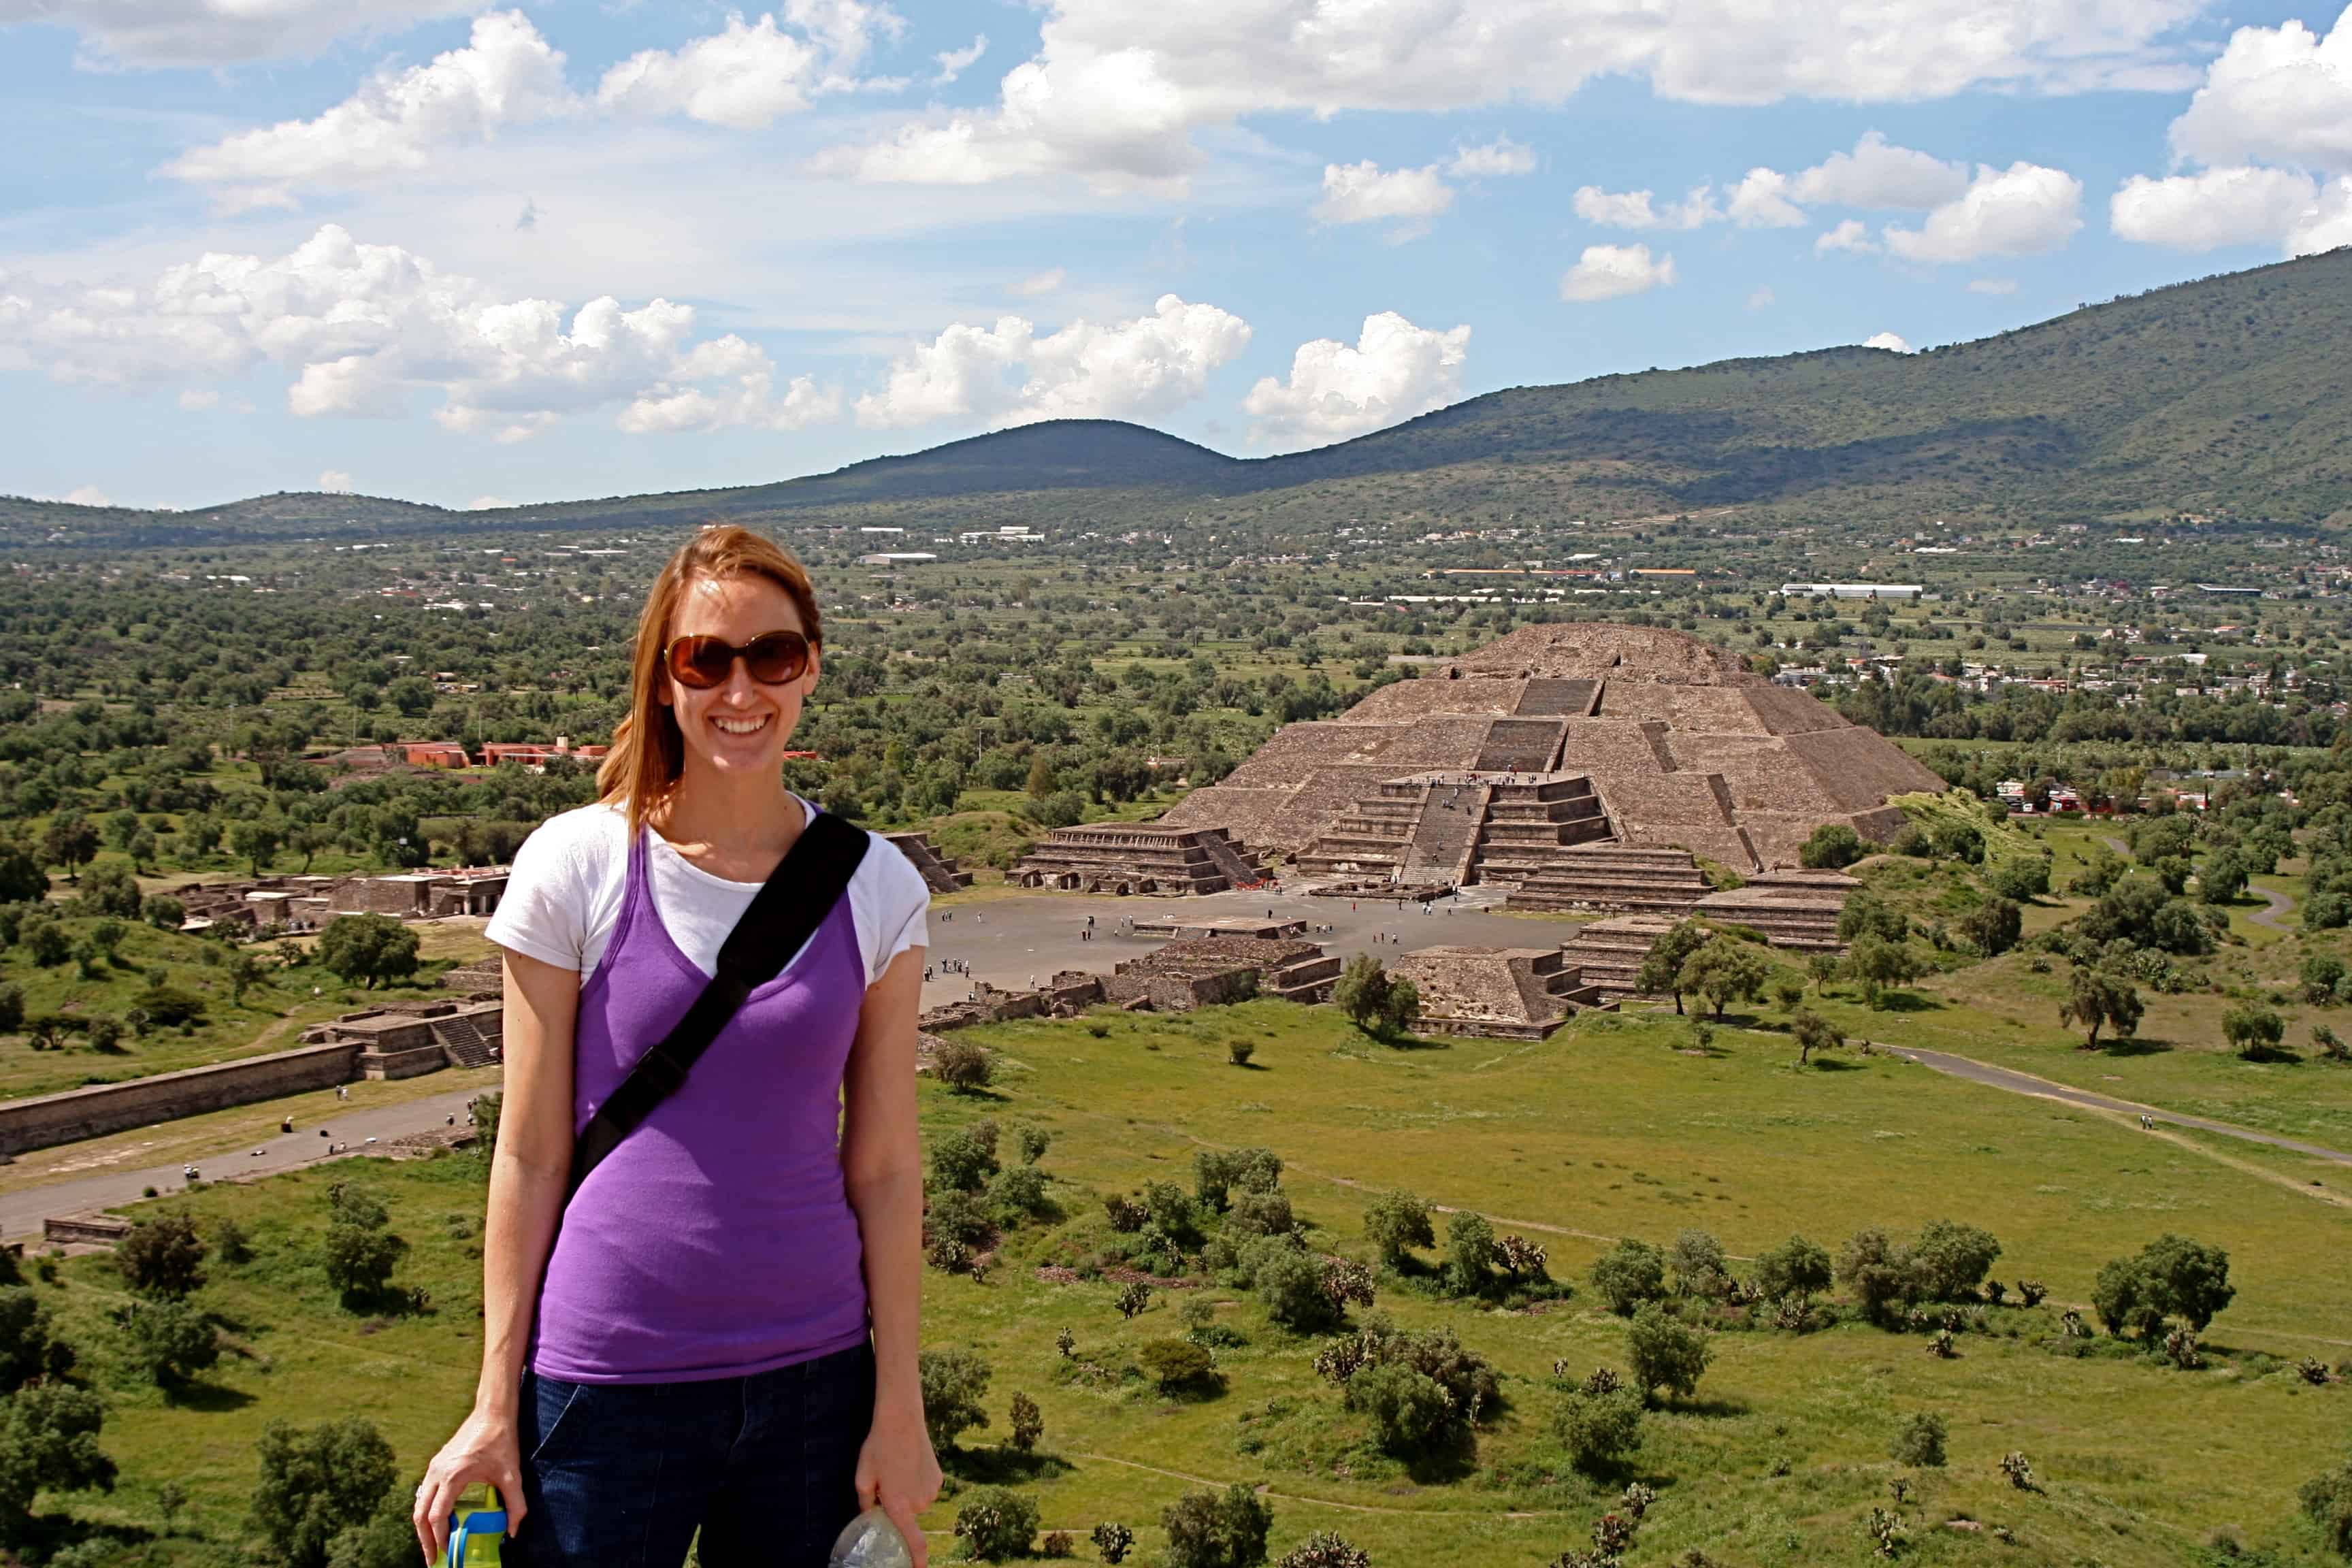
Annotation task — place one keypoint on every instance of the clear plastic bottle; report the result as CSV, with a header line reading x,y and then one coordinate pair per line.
x,y
871,1541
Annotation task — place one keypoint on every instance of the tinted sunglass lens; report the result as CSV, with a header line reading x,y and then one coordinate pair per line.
x,y
776,658
701,661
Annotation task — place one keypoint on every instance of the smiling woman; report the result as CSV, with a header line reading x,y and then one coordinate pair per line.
x,y
714,1326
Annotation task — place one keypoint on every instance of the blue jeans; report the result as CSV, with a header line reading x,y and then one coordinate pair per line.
x,y
621,1475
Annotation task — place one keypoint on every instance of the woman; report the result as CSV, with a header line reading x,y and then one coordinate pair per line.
x,y
720,1334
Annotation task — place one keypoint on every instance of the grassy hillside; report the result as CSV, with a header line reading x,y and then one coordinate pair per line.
x,y
1608,1130
2226,394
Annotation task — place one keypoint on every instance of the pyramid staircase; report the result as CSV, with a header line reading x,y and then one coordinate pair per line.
x,y
1615,876
939,871
1609,952
1454,829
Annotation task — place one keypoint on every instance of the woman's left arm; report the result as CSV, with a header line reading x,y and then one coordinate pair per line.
x,y
881,1161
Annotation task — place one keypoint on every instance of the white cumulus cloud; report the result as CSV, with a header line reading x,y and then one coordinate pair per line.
x,y
361,330
1891,342
335,482
200,33
1878,175
1850,233
1007,374
747,74
1502,157
506,74
1040,283
2229,206
1638,209
1365,193
953,63
1394,372
1760,200
2276,95
1613,272
1117,88
2022,210
86,495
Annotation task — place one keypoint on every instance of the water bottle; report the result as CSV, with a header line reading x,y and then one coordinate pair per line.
x,y
478,1527
871,1541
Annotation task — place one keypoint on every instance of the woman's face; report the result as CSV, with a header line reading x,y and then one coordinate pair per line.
x,y
740,726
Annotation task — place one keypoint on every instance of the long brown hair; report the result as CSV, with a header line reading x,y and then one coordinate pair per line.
x,y
648,753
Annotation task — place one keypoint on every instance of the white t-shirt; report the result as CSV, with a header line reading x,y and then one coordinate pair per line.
x,y
570,876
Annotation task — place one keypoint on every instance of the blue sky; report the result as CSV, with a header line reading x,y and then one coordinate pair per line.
x,y
555,250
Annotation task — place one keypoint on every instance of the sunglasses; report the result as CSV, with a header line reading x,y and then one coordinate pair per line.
x,y
771,658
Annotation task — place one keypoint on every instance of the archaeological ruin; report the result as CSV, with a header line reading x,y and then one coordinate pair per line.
x,y
1125,858
1500,993
941,873
1578,765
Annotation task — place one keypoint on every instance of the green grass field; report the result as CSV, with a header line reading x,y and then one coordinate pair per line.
x,y
1611,1128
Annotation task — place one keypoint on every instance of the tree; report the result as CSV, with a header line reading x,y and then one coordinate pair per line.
x,y
1028,1423
1113,1540
1217,1530
1372,1000
1471,1254
1795,1268
1867,915
2223,878
1219,1173
1879,964
2022,879
2252,1030
12,1009
1724,970
1041,777
317,1482
954,1384
48,1442
1395,1223
1661,966
1666,1353
162,911
962,1065
256,841
1598,1426
1697,1260
412,694
1409,1410
1830,846
361,1252
1813,1032
366,948
29,1348
1949,1260
2328,1501
162,1258
69,841
1629,1274
172,1340
22,880
2323,978
1920,1442
1993,927
2096,999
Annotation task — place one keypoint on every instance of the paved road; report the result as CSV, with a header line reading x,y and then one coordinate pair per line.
x,y
21,1212
2278,903
2017,1082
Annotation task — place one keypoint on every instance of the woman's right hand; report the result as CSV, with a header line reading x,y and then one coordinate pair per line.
x,y
485,1449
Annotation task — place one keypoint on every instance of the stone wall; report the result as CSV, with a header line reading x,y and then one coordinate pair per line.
x,y
50,1119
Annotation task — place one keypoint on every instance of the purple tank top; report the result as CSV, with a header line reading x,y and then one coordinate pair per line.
x,y
717,1239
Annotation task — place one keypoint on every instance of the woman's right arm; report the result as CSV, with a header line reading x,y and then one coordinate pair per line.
x,y
529,1171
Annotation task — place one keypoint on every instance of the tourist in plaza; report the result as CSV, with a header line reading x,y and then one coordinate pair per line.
x,y
715,1327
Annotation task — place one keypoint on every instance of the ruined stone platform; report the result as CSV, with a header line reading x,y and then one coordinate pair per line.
x,y
1122,858
1498,993
941,873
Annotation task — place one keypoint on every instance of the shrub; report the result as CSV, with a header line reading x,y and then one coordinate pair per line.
x,y
2328,1501
1666,1353
1949,1260
162,1258
1027,1422
1598,1429
1325,1549
317,1482
1217,1530
2324,1041
996,1523
1629,1274
172,1341
2323,978
1697,1258
1470,1254
168,1007
1054,1543
954,1224
2021,878
12,1009
954,1384
230,1241
1016,1191
1173,1364
29,1348
1395,1223
1831,847
1993,927
2171,1277
1794,1268
1372,1000
1291,1282
1218,1173
2253,1031
49,1440
1920,1442
1239,1052
965,1159
1409,1412
1260,1214
1133,1298
1113,1540
965,1066
1032,1141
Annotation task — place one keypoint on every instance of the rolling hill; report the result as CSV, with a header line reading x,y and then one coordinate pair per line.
x,y
2228,394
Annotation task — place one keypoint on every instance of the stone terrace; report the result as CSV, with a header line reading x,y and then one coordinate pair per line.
x,y
1796,910
1609,952
1125,858
1196,971
1501,993
941,873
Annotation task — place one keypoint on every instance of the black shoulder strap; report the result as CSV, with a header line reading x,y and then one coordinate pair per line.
x,y
784,913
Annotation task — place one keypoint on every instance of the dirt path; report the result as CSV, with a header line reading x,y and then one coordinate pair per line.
x,y
2026,1083
2278,904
